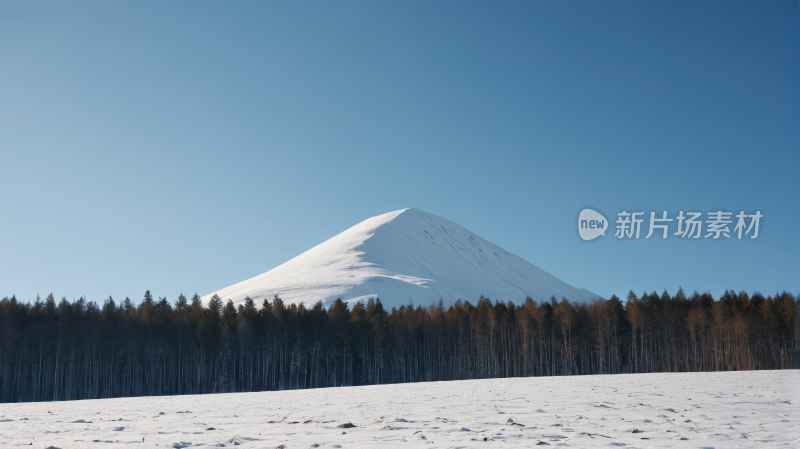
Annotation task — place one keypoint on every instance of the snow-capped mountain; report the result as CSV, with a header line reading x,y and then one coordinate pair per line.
x,y
402,256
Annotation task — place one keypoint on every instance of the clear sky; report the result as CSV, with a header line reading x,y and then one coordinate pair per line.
x,y
185,146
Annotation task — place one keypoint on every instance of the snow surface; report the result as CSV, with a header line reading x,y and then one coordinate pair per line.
x,y
693,410
403,256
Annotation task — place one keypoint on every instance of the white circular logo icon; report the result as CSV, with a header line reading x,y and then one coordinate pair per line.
x,y
591,224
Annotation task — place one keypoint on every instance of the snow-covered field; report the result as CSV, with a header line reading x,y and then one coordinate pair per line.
x,y
697,410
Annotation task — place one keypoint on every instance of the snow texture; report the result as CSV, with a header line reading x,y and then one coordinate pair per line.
x,y
743,409
404,256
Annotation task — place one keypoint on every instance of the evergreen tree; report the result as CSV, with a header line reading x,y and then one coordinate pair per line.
x,y
78,349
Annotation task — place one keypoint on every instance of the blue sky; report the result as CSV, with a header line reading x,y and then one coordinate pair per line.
x,y
185,146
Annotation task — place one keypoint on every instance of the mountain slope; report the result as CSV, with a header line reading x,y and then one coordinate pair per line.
x,y
405,255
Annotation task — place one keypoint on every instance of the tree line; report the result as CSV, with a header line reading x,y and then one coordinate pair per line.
x,y
51,351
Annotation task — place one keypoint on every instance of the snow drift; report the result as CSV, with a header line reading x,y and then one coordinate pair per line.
x,y
404,256
679,410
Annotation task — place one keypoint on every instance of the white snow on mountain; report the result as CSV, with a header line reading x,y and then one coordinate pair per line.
x,y
404,256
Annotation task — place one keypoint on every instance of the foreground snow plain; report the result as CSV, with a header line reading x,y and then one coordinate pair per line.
x,y
697,410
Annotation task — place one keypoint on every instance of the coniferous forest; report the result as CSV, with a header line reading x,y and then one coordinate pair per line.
x,y
60,350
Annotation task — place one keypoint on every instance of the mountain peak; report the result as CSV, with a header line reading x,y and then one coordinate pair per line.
x,y
403,256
